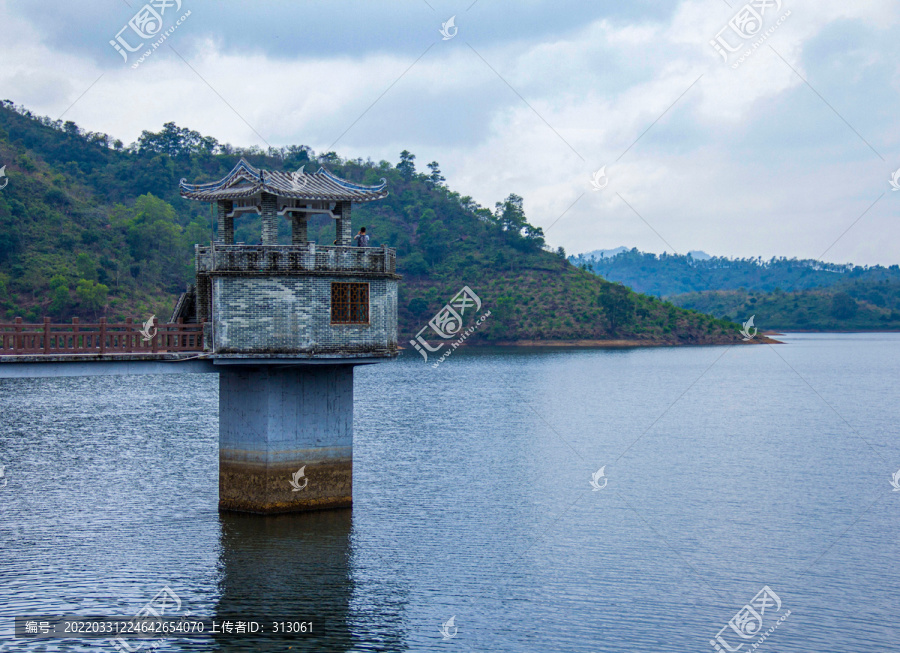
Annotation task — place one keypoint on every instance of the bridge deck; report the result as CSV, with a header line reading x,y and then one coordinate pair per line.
x,y
54,365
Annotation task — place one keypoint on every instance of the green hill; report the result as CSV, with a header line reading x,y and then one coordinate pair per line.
x,y
90,227
784,294
849,306
666,275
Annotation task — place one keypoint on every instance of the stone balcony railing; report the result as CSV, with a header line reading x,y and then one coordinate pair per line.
x,y
293,259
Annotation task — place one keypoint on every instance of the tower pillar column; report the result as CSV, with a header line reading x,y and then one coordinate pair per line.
x,y
285,438
225,223
299,229
343,229
269,219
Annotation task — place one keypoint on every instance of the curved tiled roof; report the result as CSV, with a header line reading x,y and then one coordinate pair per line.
x,y
246,181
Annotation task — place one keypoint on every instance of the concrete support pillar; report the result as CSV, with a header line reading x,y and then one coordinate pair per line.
x,y
343,229
269,219
226,224
275,421
298,229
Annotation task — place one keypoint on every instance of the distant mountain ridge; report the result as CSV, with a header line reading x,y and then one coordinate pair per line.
x,y
602,253
609,253
784,294
665,275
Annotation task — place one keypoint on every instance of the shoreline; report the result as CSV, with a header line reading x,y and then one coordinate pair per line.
x,y
620,344
789,331
615,344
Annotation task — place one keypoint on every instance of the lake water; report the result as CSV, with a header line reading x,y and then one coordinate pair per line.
x,y
727,469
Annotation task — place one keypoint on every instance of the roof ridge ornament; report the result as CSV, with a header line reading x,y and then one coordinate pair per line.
x,y
319,186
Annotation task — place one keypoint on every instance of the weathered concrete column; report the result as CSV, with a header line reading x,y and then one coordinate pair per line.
x,y
269,219
299,229
226,224
276,420
343,229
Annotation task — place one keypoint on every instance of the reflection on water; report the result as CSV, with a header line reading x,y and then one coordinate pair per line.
x,y
299,568
294,568
728,469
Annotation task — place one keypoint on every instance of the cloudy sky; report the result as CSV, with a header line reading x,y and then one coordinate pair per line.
x,y
788,152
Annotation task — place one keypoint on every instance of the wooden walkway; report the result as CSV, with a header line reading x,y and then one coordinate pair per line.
x,y
107,339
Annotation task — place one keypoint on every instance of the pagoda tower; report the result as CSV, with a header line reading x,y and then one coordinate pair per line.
x,y
287,324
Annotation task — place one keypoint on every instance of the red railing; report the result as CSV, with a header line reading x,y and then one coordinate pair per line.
x,y
101,338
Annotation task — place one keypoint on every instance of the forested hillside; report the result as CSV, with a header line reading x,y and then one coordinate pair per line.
x,y
672,274
90,227
784,294
849,306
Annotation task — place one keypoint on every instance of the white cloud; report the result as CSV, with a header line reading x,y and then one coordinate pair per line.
x,y
718,171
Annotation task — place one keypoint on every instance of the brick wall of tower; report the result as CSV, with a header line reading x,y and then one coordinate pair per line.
x,y
292,314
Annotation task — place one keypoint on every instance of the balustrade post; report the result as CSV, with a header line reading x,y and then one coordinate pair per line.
x,y
46,335
76,346
155,347
129,335
17,339
102,335
182,337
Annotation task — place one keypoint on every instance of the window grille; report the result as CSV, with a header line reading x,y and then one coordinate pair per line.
x,y
349,303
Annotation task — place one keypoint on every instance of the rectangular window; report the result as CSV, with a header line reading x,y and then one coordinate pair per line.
x,y
349,303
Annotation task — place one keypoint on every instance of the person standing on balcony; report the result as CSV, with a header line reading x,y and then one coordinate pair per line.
x,y
362,240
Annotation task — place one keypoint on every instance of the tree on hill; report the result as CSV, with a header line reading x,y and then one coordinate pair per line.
x,y
843,306
407,167
176,141
435,177
617,304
